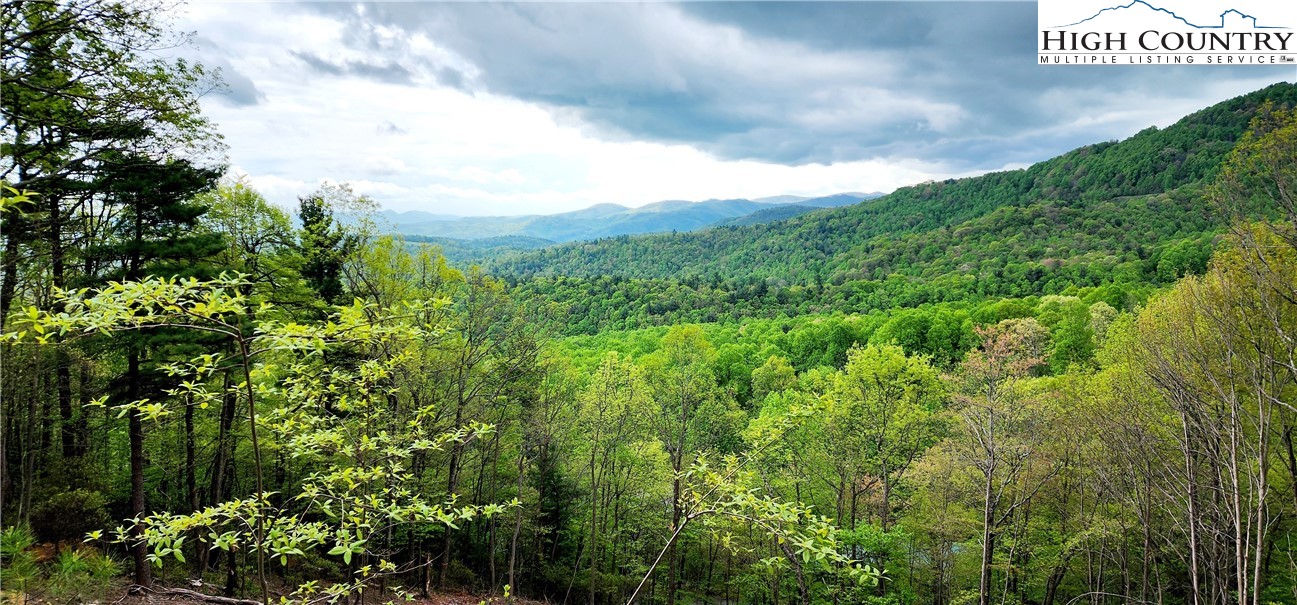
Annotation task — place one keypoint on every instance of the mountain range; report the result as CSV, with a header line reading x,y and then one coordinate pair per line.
x,y
607,220
1088,216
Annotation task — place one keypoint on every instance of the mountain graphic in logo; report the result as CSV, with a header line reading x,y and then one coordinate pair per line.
x,y
1246,19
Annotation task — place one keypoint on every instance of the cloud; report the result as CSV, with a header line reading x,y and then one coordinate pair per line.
x,y
387,127
237,90
381,71
383,166
787,82
499,109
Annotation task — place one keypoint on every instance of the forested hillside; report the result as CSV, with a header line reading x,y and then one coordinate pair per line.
x,y
467,252
1071,383
1116,183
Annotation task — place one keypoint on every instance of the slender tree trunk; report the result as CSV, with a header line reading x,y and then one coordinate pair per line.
x,y
28,448
62,362
803,591
1051,584
492,524
517,529
855,498
231,573
8,286
988,540
1292,459
1190,476
220,460
885,518
139,550
257,469
14,229
63,382
4,448
191,470
594,519
81,424
673,565
452,483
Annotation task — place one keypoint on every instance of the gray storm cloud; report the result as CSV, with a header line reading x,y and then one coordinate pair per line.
x,y
791,83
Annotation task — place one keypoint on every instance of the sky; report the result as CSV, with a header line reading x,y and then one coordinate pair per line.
x,y
470,108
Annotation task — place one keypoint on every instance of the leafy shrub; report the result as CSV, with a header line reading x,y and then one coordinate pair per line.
x,y
70,515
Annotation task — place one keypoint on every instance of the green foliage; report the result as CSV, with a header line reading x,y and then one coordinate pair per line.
x,y
774,376
15,539
324,248
71,573
1112,213
843,407
1085,190
336,416
69,516
20,570
13,200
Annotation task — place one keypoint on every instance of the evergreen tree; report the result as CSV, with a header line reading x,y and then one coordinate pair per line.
x,y
155,236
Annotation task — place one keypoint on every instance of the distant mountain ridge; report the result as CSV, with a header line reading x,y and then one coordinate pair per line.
x,y
608,220
1095,211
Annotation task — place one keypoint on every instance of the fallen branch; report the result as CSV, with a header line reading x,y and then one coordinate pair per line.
x,y
181,592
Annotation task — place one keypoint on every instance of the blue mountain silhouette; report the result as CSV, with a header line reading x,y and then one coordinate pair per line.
x,y
1177,17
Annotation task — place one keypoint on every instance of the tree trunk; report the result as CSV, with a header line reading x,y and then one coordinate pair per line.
x,y
886,517
28,448
63,383
803,591
673,566
8,287
988,541
231,573
452,483
594,521
1193,513
191,471
517,529
1051,583
139,550
81,424
220,461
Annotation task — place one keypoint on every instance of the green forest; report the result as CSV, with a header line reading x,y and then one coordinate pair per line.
x,y
1070,383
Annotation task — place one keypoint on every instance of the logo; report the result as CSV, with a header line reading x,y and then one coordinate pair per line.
x,y
1167,32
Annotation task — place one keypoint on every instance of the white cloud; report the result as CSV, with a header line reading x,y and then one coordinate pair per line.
x,y
433,117
442,149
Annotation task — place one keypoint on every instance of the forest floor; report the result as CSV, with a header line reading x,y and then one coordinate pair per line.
x,y
161,594
159,597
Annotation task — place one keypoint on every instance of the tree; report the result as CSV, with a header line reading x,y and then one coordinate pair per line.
x,y
156,237
773,376
682,382
1002,435
361,484
79,82
260,242
82,90
885,415
610,406
325,246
